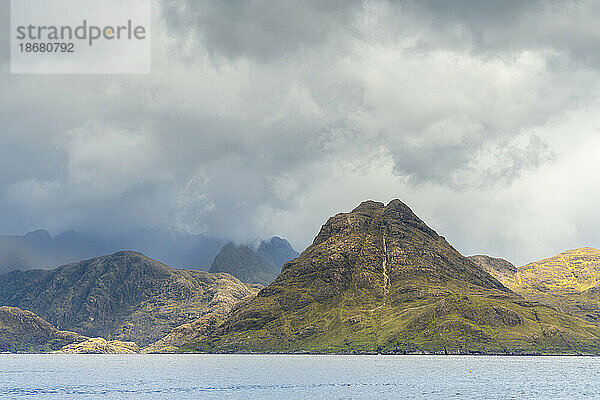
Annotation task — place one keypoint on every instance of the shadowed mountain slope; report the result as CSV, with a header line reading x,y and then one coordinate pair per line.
x,y
276,251
499,268
245,264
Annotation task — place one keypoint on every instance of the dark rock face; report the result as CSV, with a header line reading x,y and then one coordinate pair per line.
x,y
261,266
379,279
23,331
243,263
125,296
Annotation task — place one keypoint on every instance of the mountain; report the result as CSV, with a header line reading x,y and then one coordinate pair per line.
x,y
38,249
243,263
276,251
22,331
124,296
261,266
569,281
378,279
499,268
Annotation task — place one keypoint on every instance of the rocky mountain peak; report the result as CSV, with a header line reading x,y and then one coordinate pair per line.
x,y
358,221
397,209
129,253
123,263
379,248
368,205
276,251
243,263
399,216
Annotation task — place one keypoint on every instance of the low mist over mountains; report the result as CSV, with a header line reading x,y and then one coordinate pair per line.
x,y
38,249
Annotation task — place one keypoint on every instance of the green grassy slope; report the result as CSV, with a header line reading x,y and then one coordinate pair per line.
x,y
22,331
569,281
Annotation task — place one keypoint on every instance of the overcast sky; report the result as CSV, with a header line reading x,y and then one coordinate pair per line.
x,y
264,118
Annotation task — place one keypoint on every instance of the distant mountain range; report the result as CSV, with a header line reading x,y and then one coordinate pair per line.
x,y
39,250
276,251
261,266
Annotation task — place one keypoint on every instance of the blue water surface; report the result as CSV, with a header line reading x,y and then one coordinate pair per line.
x,y
73,376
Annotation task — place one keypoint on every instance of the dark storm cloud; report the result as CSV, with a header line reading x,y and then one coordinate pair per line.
x,y
259,28
568,27
493,34
274,29
264,118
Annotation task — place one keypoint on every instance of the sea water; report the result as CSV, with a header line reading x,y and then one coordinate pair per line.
x,y
68,376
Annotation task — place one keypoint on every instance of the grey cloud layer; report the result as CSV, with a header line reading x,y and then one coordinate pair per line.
x,y
264,118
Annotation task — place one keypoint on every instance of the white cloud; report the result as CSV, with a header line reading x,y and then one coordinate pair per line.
x,y
104,160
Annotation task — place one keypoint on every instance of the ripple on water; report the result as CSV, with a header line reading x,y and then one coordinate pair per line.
x,y
296,376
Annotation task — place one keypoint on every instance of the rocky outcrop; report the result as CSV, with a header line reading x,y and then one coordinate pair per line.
x,y
186,333
100,346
